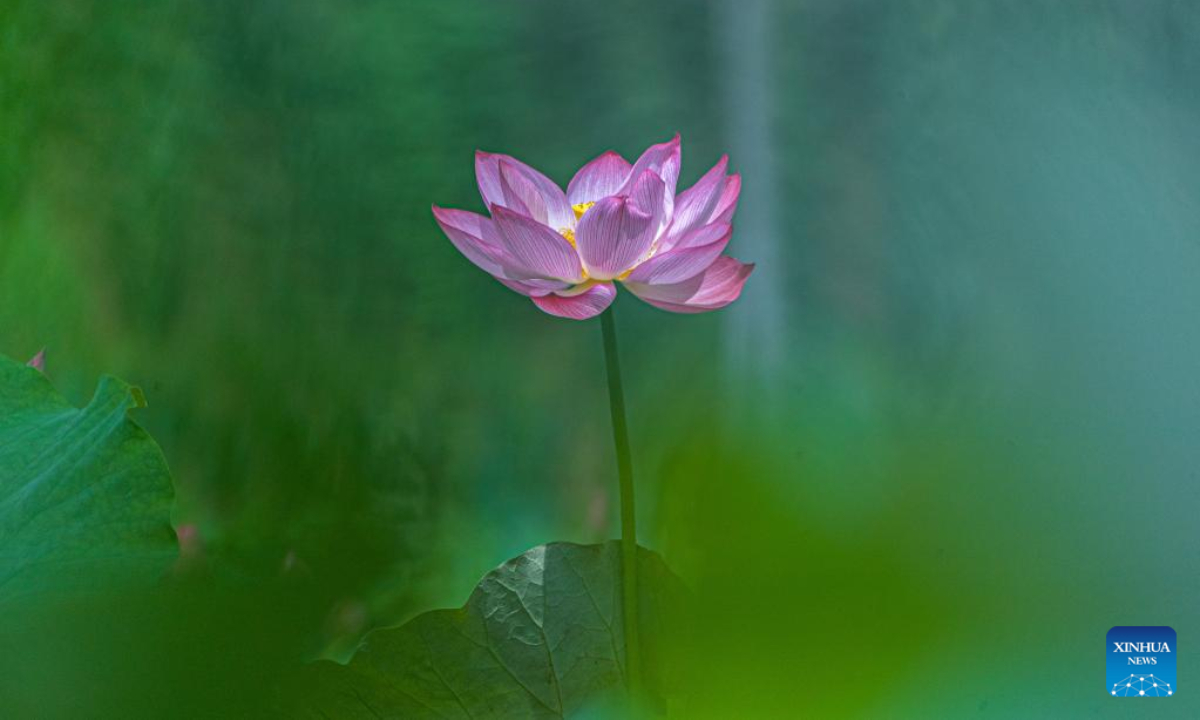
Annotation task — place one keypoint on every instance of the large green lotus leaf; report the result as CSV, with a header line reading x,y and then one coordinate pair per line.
x,y
85,495
540,637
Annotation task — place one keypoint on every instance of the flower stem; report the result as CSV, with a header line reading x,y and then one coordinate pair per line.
x,y
629,591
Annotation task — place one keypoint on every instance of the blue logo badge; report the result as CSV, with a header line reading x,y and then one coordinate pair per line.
x,y
1141,661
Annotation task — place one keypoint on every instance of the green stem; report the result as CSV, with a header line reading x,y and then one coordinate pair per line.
x,y
629,592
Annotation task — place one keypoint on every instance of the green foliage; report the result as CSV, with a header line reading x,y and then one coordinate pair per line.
x,y
540,637
85,494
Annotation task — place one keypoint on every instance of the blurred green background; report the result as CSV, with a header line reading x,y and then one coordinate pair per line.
x,y
946,439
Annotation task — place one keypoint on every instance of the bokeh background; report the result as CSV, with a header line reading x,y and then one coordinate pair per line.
x,y
945,441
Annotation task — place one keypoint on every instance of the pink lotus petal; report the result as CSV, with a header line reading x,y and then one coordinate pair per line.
x,y
727,203
664,160
587,304
600,178
467,231
604,230
715,288
512,272
476,238
618,231
683,263
703,235
491,187
538,251
38,362
533,287
520,194
649,195
695,205
487,174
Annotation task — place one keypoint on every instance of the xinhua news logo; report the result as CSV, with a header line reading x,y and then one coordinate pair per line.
x,y
1141,661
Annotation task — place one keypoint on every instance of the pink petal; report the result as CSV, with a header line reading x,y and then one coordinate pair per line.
x,y
695,205
649,195
533,287
618,231
715,288
476,238
587,304
466,231
664,160
487,174
513,273
38,362
704,235
600,178
491,187
538,251
520,194
727,203
683,263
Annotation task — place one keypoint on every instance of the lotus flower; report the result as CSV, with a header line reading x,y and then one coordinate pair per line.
x,y
616,223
